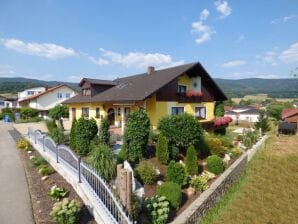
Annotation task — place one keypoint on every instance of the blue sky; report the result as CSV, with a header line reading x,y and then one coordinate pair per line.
x,y
70,39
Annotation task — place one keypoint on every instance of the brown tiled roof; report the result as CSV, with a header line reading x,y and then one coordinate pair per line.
x,y
98,81
139,87
288,112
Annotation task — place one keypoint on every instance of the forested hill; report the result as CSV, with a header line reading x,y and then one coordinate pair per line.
x,y
14,85
280,88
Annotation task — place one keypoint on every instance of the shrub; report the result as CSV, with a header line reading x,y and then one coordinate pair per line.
x,y
153,137
9,112
103,161
51,124
72,137
85,131
136,135
236,152
65,212
146,172
181,130
57,135
57,193
45,170
216,147
162,150
247,142
174,152
199,183
27,112
136,207
24,144
176,173
158,209
58,113
215,164
38,161
172,192
240,138
122,156
191,161
104,134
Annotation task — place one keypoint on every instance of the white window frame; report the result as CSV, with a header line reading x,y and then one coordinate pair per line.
x,y
177,107
200,117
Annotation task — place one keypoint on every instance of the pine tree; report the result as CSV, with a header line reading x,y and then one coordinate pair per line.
x,y
191,161
262,122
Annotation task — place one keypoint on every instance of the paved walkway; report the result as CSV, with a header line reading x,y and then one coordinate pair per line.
x,y
15,204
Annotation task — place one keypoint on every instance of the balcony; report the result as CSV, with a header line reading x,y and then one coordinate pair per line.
x,y
190,96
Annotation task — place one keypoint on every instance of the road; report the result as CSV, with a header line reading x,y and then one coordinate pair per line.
x,y
15,206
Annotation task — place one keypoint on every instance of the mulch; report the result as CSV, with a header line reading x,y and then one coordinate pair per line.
x,y
42,203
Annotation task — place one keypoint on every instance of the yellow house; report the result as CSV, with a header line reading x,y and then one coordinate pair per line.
x,y
185,88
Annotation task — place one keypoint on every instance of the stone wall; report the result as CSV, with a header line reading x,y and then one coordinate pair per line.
x,y
195,212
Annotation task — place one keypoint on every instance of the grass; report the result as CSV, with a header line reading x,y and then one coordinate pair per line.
x,y
268,192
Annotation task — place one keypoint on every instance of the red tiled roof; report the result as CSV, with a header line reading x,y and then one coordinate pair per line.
x,y
288,112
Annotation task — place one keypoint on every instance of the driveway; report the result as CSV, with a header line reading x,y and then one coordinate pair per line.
x,y
15,206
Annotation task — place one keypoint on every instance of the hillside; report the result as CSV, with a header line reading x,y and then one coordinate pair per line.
x,y
279,88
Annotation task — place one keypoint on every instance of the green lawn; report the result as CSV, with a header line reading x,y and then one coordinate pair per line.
x,y
268,192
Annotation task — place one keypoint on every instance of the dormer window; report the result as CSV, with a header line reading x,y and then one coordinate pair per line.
x,y
86,92
181,89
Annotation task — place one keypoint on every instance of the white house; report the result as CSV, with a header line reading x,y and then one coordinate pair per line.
x,y
30,92
7,102
243,113
49,98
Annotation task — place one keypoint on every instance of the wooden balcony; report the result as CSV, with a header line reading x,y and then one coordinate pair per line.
x,y
190,97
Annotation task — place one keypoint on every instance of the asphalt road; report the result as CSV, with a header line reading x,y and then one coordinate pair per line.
x,y
15,204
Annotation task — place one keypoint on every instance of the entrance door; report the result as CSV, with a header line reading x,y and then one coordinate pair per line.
x,y
73,113
111,116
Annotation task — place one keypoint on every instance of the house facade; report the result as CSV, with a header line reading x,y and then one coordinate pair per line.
x,y
243,113
181,89
30,92
7,102
49,98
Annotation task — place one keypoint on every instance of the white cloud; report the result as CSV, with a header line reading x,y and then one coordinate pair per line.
x,y
290,55
283,19
75,78
99,61
47,50
204,14
223,8
234,63
205,32
139,59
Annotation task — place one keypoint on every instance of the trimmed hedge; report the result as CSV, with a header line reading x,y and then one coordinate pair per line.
x,y
172,192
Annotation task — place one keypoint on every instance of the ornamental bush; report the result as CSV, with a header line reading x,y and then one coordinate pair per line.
x,y
176,173
162,149
146,172
172,192
136,135
216,146
27,112
72,136
199,183
85,131
103,161
191,161
104,134
181,130
215,164
57,193
158,209
66,212
24,144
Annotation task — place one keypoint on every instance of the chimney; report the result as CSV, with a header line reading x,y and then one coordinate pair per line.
x,y
150,70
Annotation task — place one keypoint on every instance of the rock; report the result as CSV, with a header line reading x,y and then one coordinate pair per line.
x,y
227,158
190,191
157,172
160,182
44,178
29,152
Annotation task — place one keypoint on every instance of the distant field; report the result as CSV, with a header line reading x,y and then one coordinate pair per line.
x,y
262,97
268,192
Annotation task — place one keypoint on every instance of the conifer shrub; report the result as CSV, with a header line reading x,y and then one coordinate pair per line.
x,y
72,137
176,173
191,161
104,134
162,149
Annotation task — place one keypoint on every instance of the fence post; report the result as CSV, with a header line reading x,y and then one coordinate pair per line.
x,y
79,169
43,146
28,133
57,154
34,137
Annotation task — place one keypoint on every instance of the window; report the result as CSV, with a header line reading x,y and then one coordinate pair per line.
x,y
85,111
30,93
67,95
200,112
177,110
181,89
59,95
86,92
97,112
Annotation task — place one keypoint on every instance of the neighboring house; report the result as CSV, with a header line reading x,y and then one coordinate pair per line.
x,y
7,102
243,113
49,98
290,115
30,92
186,88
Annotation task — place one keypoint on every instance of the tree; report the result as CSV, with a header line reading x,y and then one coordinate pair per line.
x,y
191,161
162,149
262,122
275,109
85,131
104,134
136,135
181,130
58,112
103,161
72,136
219,109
